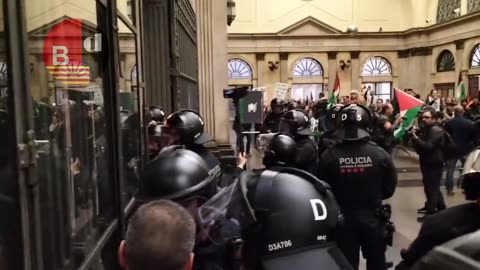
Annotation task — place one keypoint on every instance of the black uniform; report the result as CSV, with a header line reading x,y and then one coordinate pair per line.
x,y
326,141
307,154
208,157
216,254
271,123
361,174
384,137
295,124
440,228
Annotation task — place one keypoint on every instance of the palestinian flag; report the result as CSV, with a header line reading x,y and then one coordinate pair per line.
x,y
408,107
336,91
461,89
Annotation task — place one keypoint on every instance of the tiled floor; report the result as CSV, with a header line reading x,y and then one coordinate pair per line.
x,y
408,197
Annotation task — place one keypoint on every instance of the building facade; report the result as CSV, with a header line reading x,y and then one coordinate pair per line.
x,y
395,46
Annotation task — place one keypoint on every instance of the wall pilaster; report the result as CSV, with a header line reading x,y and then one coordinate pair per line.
x,y
212,62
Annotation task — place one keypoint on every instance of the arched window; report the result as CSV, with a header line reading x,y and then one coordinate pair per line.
x,y
376,66
3,70
446,61
475,63
133,74
239,69
307,67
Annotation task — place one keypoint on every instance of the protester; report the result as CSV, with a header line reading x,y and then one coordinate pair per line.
x,y
385,128
462,132
428,142
474,108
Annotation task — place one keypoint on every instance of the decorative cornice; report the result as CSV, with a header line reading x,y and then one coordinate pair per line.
x,y
418,51
404,53
460,44
421,51
332,55
386,34
354,55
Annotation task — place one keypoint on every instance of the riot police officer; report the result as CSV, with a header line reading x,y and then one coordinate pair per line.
x,y
452,222
272,120
295,124
288,219
361,175
182,176
155,118
328,138
279,150
186,127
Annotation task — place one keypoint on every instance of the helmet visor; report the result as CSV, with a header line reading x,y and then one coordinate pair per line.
x,y
472,162
217,207
264,141
287,127
230,202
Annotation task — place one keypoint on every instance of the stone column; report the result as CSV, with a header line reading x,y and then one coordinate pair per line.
x,y
355,68
212,66
332,70
284,67
460,66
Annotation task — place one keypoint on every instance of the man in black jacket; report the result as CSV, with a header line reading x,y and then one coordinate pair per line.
x,y
428,144
462,131
384,128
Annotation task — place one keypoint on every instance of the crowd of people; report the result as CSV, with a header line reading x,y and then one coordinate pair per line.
x,y
318,202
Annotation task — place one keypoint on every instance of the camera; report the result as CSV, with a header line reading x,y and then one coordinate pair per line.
x,y
235,93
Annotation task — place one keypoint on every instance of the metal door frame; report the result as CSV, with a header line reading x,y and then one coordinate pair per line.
x,y
18,81
22,119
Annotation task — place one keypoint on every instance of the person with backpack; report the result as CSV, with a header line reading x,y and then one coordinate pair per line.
x,y
462,133
429,142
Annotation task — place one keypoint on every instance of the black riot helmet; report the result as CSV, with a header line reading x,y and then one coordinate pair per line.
x,y
288,218
462,253
295,122
155,119
277,105
280,151
176,174
156,114
471,175
331,116
186,127
353,122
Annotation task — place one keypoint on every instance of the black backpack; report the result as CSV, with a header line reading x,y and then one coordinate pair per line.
x,y
449,148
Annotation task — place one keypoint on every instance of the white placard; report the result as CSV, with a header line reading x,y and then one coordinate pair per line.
x,y
281,90
97,93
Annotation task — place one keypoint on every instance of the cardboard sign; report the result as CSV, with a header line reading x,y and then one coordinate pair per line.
x,y
281,90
